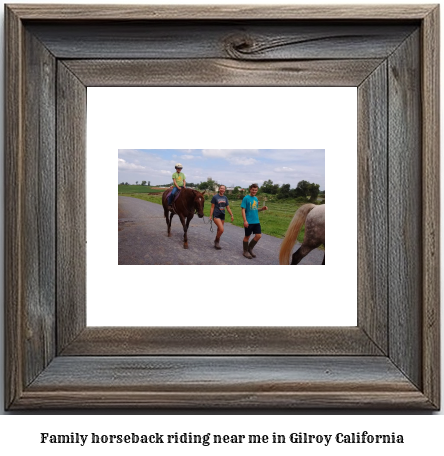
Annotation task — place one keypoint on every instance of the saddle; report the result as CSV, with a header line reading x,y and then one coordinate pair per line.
x,y
175,196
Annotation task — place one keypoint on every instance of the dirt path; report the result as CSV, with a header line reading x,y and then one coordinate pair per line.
x,y
143,240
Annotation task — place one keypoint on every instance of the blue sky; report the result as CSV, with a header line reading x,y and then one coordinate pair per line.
x,y
226,166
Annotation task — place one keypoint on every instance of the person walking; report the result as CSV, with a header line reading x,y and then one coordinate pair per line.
x,y
250,214
219,203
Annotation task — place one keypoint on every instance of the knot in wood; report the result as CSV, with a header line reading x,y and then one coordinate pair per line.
x,y
239,46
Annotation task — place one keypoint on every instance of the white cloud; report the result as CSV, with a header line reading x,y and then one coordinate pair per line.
x,y
289,155
242,161
228,166
124,165
229,153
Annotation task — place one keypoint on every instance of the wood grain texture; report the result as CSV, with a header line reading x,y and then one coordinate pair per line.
x,y
39,230
258,401
259,40
127,341
206,373
430,94
372,207
220,12
405,209
221,72
30,226
234,382
71,206
13,210
408,377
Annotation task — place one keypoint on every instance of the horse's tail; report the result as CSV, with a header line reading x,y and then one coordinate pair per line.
x,y
292,232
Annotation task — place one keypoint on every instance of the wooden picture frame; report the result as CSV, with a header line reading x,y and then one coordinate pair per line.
x,y
390,360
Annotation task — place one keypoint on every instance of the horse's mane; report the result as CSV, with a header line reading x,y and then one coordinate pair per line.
x,y
188,190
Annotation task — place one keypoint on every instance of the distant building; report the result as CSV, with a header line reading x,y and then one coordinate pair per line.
x,y
229,190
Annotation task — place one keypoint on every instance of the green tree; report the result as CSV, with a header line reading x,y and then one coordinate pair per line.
x,y
207,185
307,190
267,186
203,185
303,188
284,191
149,183
314,192
143,182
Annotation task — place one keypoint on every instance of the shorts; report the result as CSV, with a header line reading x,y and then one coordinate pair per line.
x,y
253,228
220,216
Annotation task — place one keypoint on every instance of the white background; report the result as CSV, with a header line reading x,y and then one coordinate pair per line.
x,y
205,117
20,434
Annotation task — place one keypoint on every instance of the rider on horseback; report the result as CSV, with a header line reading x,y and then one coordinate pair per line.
x,y
179,183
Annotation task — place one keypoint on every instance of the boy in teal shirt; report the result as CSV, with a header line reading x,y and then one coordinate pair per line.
x,y
178,181
250,214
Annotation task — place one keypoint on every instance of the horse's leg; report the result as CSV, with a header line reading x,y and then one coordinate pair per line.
x,y
303,251
167,216
185,229
323,261
185,237
300,253
169,223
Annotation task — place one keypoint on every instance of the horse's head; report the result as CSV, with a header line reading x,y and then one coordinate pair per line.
x,y
199,201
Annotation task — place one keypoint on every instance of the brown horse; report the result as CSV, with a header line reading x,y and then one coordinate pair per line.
x,y
314,218
187,204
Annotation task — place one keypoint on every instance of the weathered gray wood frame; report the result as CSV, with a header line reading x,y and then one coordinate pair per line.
x,y
390,360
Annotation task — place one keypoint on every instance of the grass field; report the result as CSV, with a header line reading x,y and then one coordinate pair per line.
x,y
274,222
124,189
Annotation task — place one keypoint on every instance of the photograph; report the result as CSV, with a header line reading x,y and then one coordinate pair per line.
x,y
232,206
232,123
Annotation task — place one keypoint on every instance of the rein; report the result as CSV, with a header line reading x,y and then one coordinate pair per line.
x,y
203,219
211,223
